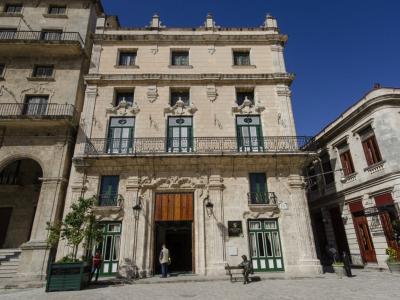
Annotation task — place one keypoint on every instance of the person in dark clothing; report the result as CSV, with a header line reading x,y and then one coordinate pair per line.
x,y
247,269
96,264
347,264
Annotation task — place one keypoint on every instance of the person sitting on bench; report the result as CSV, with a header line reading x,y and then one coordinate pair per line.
x,y
247,269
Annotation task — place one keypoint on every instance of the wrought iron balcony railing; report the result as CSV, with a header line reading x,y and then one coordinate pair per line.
x,y
46,36
37,111
197,145
109,199
265,198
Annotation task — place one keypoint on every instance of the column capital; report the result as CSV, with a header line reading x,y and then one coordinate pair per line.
x,y
296,181
132,183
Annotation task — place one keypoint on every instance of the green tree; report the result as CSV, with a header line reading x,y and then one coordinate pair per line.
x,y
78,226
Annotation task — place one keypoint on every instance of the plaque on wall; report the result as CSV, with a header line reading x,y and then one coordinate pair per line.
x,y
235,228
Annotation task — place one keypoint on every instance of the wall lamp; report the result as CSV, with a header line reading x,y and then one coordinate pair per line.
x,y
209,207
137,208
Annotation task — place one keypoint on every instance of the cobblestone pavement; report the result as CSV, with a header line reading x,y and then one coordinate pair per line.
x,y
365,285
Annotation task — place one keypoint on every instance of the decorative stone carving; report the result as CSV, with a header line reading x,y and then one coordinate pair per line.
x,y
172,182
261,214
211,49
248,107
367,201
283,90
4,89
211,92
152,94
123,108
108,213
180,108
39,89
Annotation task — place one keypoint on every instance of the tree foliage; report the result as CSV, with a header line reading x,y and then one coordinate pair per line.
x,y
78,226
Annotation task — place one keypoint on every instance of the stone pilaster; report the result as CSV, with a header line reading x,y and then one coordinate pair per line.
x,y
307,258
215,229
127,267
35,252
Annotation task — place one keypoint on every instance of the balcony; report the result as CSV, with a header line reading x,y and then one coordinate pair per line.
x,y
262,198
194,146
109,200
19,43
109,207
20,114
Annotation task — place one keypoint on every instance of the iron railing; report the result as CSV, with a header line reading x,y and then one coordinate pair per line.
x,y
37,111
108,199
47,36
197,145
262,198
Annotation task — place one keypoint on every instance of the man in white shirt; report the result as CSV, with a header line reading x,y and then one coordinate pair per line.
x,y
164,261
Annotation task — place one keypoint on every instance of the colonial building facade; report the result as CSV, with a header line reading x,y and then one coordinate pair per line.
x,y
356,199
44,53
187,138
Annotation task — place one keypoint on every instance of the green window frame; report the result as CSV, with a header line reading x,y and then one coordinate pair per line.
x,y
120,135
180,134
249,134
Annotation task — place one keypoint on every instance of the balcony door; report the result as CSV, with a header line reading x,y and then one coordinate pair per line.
x,y
249,134
120,135
180,134
35,105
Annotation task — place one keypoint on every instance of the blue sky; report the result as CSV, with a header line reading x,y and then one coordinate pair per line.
x,y
337,48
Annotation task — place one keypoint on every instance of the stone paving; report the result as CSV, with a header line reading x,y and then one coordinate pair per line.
x,y
365,285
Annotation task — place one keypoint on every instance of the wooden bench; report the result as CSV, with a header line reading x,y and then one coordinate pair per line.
x,y
234,272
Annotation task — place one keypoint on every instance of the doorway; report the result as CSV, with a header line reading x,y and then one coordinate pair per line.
x,y
174,227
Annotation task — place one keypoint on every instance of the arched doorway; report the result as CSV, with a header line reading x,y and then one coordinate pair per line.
x,y
19,194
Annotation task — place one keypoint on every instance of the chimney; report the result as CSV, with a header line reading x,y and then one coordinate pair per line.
x,y
377,86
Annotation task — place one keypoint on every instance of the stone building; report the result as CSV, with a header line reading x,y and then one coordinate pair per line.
x,y
188,138
44,54
354,186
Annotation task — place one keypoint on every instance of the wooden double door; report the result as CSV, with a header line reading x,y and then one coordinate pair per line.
x,y
364,238
173,218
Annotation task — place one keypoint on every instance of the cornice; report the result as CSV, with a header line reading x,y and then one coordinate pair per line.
x,y
272,39
285,78
355,113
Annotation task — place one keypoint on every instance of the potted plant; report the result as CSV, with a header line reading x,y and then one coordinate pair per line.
x,y
79,226
393,261
339,269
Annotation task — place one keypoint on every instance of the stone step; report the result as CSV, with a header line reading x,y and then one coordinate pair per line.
x,y
9,263
10,251
8,268
8,272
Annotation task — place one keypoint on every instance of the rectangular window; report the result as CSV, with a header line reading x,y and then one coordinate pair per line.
x,y
109,191
35,105
127,58
51,35
43,71
370,146
241,58
124,96
181,94
249,134
120,135
327,169
180,58
258,188
347,161
242,94
57,10
180,132
13,8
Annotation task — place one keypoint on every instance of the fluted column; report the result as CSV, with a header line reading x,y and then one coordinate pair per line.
x,y
215,228
307,259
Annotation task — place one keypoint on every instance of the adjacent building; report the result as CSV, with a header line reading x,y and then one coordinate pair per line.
x,y
187,138
44,53
354,186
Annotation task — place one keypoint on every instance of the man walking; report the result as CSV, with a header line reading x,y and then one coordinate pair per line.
x,y
164,261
